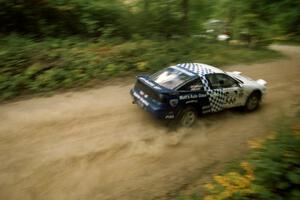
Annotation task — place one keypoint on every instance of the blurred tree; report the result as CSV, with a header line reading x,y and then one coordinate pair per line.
x,y
252,21
257,21
283,16
185,13
158,18
146,5
63,17
200,11
245,20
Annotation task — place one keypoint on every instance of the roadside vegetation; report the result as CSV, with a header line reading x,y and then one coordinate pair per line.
x,y
29,66
271,170
56,44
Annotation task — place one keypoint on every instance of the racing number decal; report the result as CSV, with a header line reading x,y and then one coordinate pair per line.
x,y
230,97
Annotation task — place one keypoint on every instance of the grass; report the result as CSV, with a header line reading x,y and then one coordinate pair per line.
x,y
30,66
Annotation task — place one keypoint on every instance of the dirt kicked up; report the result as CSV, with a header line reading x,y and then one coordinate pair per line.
x,y
96,145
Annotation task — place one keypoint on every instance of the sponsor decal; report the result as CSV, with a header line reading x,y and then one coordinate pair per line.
x,y
205,111
173,102
191,96
169,117
201,95
191,101
206,107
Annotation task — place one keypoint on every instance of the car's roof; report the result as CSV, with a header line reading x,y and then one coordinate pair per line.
x,y
199,68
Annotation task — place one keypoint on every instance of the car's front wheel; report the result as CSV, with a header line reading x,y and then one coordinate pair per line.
x,y
253,101
188,117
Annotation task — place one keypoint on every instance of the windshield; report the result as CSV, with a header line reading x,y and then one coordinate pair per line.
x,y
170,78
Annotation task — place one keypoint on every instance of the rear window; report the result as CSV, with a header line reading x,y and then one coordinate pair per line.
x,y
170,78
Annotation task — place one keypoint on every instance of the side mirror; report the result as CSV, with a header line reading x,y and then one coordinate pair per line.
x,y
237,84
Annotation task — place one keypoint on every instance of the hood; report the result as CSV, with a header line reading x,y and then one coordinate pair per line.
x,y
247,80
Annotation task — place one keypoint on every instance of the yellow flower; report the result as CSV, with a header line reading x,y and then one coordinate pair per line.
x,y
221,180
141,66
231,183
256,144
247,167
225,194
209,197
209,186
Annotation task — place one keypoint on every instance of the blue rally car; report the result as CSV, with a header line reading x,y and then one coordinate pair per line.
x,y
183,91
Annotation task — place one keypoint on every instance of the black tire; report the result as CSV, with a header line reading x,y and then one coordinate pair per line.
x,y
252,102
187,117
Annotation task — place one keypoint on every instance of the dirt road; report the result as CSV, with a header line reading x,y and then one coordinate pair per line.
x,y
96,145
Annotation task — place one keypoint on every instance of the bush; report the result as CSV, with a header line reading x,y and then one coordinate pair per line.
x,y
32,66
272,172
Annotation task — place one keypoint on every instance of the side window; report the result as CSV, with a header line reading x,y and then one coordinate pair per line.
x,y
220,81
195,85
213,81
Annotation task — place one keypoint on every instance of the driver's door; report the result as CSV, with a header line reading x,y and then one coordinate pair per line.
x,y
227,87
194,93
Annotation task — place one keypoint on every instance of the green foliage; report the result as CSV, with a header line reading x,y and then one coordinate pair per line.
x,y
244,20
95,18
283,16
62,17
253,21
271,172
258,21
277,167
31,66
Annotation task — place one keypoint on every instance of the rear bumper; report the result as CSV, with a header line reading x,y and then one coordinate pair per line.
x,y
159,111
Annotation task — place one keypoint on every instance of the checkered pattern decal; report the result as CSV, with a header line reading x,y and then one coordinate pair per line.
x,y
216,99
200,69
217,96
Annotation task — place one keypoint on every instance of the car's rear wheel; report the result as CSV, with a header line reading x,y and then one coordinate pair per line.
x,y
253,102
188,117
